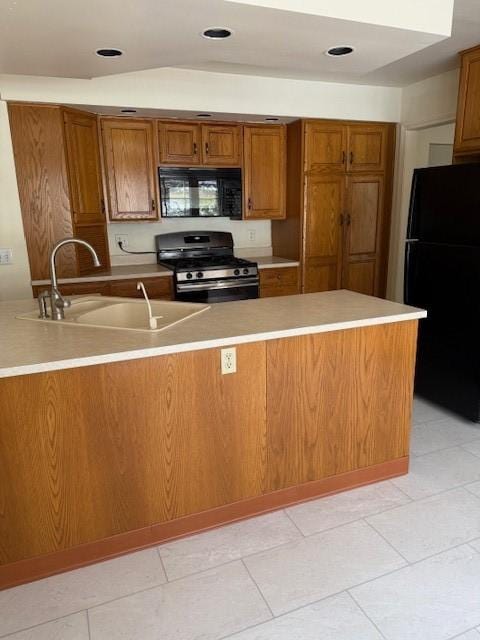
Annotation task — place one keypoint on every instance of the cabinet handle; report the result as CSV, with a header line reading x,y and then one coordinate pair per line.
x,y
194,148
206,148
153,204
341,219
102,204
351,157
344,157
349,219
249,203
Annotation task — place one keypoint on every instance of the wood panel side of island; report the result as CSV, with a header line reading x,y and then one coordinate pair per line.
x,y
102,460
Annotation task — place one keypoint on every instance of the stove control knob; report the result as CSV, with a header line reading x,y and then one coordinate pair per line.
x,y
189,276
200,274
236,272
245,272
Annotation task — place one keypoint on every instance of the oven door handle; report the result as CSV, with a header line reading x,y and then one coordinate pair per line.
x,y
226,284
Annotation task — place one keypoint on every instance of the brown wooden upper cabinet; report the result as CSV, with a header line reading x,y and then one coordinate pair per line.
x,y
222,145
264,172
130,166
367,146
325,146
340,147
467,133
187,144
84,169
180,143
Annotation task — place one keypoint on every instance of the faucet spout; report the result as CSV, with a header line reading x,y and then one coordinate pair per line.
x,y
57,302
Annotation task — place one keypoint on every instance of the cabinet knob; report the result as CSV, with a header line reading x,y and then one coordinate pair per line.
x,y
153,204
194,148
351,157
206,148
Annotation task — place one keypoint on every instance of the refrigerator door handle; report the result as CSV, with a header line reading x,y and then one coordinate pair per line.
x,y
408,240
406,273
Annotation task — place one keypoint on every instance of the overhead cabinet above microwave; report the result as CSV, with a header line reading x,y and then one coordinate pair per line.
x,y
189,143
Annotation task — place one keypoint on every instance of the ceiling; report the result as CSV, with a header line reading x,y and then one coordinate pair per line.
x,y
58,38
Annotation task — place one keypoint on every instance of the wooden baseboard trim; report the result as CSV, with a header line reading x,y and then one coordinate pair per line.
x,y
23,571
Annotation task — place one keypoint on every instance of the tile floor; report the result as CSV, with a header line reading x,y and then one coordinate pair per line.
x,y
399,560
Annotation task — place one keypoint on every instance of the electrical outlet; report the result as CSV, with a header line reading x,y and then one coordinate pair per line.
x,y
6,256
252,235
229,360
123,239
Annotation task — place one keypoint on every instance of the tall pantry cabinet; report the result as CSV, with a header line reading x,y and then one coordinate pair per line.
x,y
338,204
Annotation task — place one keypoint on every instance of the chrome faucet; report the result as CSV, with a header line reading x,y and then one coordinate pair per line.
x,y
58,303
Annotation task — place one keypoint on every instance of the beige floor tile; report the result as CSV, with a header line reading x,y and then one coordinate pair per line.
x,y
332,511
441,434
74,627
335,618
302,572
438,471
212,548
420,529
37,602
205,606
431,600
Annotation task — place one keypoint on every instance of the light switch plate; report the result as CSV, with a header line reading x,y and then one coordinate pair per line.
x,y
6,256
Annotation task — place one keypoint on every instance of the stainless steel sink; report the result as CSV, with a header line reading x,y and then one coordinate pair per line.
x,y
122,313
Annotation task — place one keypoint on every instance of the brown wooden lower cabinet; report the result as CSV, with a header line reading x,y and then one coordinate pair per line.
x,y
100,460
283,281
160,288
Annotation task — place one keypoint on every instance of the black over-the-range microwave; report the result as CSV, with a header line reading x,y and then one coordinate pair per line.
x,y
191,192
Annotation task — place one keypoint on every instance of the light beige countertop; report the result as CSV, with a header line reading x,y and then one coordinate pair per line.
x,y
31,347
153,270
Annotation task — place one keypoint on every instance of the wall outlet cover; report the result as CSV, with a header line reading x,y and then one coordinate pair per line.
x,y
123,239
6,256
229,360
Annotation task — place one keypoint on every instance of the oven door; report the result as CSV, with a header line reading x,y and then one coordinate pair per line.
x,y
217,291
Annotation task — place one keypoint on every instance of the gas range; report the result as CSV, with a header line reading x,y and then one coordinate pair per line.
x,y
205,268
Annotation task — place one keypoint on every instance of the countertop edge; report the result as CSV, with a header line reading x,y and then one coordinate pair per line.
x,y
136,354
159,273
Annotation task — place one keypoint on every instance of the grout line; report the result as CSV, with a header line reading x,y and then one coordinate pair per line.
x,y
466,631
294,523
162,563
88,626
450,446
357,604
387,541
41,624
258,589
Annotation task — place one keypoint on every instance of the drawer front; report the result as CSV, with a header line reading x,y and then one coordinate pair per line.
x,y
279,282
157,288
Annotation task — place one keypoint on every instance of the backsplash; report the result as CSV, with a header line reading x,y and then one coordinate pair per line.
x,y
141,236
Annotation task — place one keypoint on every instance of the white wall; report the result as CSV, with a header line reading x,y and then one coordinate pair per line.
x,y
14,278
416,155
431,100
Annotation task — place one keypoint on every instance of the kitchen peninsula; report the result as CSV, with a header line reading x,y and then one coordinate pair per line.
x,y
116,440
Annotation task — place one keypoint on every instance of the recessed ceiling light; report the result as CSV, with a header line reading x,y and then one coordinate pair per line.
x,y
108,53
271,119
217,33
128,110
204,115
343,50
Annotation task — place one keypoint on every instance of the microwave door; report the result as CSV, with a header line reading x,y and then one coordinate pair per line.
x,y
179,196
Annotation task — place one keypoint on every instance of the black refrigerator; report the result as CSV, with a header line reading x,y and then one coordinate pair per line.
x,y
442,275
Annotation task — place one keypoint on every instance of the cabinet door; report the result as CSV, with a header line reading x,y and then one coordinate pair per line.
x,y
367,147
467,134
83,162
130,167
264,172
362,259
221,145
156,288
324,204
279,282
325,146
179,143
